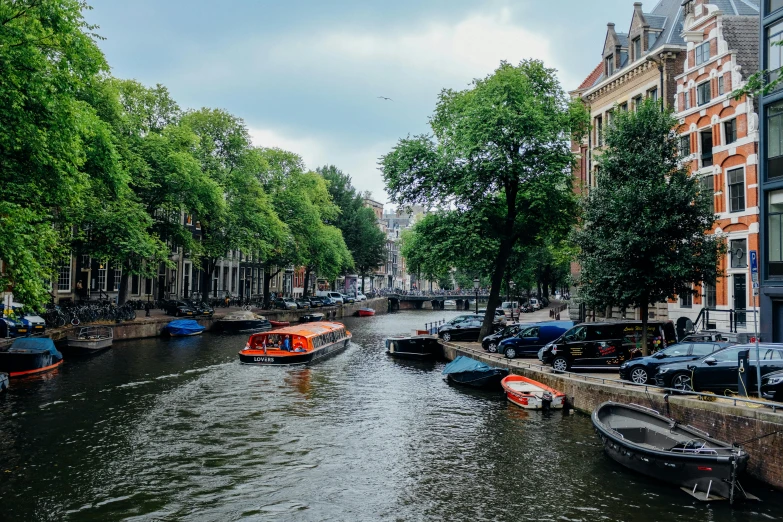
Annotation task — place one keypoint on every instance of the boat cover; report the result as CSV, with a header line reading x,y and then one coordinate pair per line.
x,y
466,364
184,327
43,344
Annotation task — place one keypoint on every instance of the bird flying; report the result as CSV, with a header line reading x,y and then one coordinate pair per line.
x,y
385,98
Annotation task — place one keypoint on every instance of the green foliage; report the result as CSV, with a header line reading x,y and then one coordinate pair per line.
x,y
499,160
643,237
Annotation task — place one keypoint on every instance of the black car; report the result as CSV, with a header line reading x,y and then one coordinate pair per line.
x,y
604,345
490,342
201,308
302,304
772,386
718,371
466,330
180,309
642,370
284,304
315,302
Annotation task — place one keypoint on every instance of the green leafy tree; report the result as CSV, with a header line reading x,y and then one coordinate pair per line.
x,y
642,238
500,157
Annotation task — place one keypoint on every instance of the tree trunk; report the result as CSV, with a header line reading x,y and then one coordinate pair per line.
x,y
362,274
122,295
267,280
501,260
644,310
306,292
206,277
608,312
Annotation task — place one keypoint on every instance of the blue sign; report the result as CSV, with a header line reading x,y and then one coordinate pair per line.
x,y
754,266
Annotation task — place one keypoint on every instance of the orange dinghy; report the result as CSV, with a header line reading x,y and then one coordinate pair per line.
x,y
300,344
532,395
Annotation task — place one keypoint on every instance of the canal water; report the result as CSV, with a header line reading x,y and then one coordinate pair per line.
x,y
179,430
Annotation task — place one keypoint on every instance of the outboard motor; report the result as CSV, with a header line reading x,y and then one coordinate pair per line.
x,y
546,400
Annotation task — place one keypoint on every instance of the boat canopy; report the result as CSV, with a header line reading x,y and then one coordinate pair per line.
x,y
184,326
466,364
42,344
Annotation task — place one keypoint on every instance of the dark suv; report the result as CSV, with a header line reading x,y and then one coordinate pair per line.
x,y
605,345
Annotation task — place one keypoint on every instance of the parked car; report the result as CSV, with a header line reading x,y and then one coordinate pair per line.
x,y
180,309
201,308
12,328
348,299
328,301
500,316
360,296
283,304
717,372
534,304
460,318
490,343
772,386
605,345
532,338
315,302
642,370
337,297
467,330
34,323
302,304
704,337
510,309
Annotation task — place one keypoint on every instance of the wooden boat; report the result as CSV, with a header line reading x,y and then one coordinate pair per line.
x,y
183,328
243,321
30,355
470,372
532,395
3,382
365,312
91,338
414,347
312,318
308,343
279,324
643,440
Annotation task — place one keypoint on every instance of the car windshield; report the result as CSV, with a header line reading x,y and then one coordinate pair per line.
x,y
729,354
675,350
576,334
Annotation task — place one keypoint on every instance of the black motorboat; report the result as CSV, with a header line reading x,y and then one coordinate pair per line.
x,y
29,355
643,440
243,322
414,347
470,372
311,318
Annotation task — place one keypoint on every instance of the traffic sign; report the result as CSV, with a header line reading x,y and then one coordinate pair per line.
x,y
754,267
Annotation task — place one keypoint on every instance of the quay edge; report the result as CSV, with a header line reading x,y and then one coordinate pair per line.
x,y
721,420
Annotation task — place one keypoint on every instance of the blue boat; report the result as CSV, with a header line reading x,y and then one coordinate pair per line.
x,y
29,355
183,328
470,372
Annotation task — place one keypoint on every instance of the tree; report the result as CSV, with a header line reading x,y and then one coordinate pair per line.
x,y
643,237
500,158
48,56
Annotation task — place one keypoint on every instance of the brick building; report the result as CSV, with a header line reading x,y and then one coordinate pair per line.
x,y
719,139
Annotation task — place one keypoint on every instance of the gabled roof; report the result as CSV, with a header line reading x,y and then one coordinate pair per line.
x,y
737,7
741,33
622,39
655,21
593,77
668,16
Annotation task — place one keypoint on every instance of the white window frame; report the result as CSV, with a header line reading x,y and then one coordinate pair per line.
x,y
64,269
117,278
102,275
744,190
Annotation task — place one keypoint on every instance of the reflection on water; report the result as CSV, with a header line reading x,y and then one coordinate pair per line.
x,y
179,430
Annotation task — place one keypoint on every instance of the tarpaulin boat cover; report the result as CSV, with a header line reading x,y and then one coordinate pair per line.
x,y
184,327
43,344
466,364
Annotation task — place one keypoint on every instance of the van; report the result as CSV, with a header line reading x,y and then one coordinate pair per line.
x,y
337,297
605,345
534,304
532,337
510,308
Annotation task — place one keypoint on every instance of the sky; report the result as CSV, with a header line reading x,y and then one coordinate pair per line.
x,y
306,75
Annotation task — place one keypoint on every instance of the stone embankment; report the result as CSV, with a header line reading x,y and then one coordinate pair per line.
x,y
721,418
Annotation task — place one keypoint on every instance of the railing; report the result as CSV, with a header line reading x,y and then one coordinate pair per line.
x,y
432,328
732,319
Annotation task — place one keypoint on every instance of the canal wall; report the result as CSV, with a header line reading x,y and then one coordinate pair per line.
x,y
721,418
146,327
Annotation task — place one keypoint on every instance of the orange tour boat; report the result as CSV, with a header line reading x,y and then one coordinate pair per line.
x,y
300,344
532,395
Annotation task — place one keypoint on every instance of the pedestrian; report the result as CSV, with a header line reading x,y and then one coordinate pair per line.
x,y
79,290
147,309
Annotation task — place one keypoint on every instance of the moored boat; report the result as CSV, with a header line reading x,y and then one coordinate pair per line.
x,y
532,395
307,343
3,382
243,321
29,355
312,318
414,347
470,372
91,338
365,312
279,324
183,328
643,440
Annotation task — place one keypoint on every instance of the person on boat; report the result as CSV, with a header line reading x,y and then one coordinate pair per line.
x,y
286,344
299,347
263,345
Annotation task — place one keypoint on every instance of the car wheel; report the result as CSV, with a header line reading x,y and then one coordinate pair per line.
x,y
492,347
447,337
511,353
682,381
639,375
560,364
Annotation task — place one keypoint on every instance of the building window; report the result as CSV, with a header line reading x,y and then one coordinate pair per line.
x,y
703,93
739,253
637,47
599,131
686,301
774,51
653,94
686,97
708,187
624,107
637,102
685,145
721,87
730,129
117,276
775,231
102,277
64,278
702,53
706,148
736,190
609,60
773,5
710,296
775,140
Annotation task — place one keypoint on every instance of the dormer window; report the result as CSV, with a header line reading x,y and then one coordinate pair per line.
x,y
637,47
609,60
702,53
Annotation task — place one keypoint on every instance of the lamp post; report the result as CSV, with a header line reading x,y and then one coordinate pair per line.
x,y
476,283
511,287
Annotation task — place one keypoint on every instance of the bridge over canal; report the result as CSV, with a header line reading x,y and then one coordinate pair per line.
x,y
433,302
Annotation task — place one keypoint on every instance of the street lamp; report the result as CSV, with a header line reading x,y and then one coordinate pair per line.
x,y
476,283
511,287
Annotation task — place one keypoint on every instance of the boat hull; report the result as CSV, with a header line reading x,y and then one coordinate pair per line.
x,y
417,347
88,345
531,395
258,357
486,380
365,313
279,324
21,364
244,326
